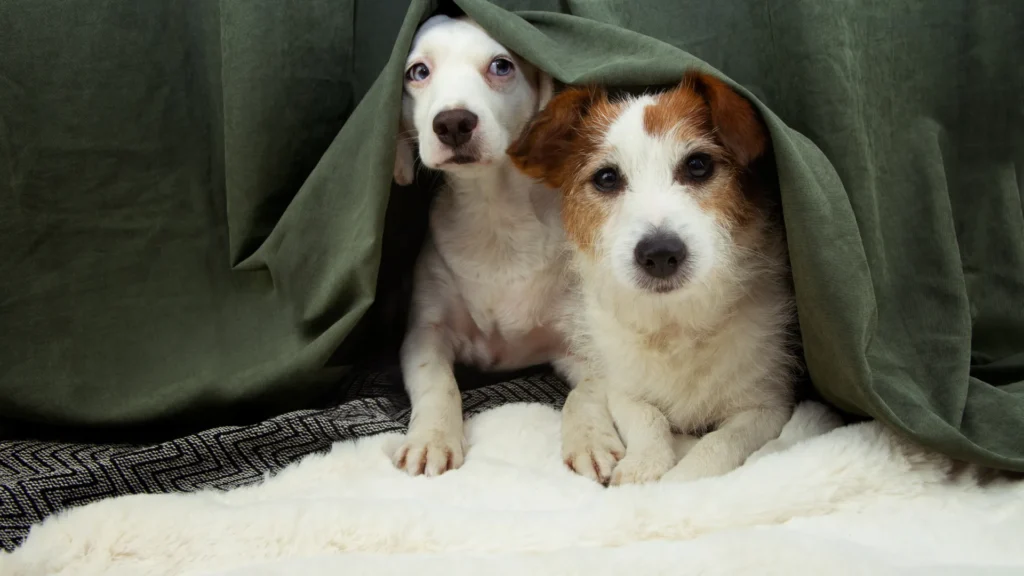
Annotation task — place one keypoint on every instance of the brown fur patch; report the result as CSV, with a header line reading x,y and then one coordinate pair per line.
x,y
582,215
703,106
545,149
728,202
560,145
681,110
583,210
555,149
737,125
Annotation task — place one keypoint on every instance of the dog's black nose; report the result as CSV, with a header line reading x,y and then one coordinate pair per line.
x,y
660,255
454,127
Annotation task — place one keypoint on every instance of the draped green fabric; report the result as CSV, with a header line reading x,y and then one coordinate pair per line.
x,y
193,193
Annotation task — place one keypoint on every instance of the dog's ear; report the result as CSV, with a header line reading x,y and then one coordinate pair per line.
x,y
405,157
543,149
545,88
737,124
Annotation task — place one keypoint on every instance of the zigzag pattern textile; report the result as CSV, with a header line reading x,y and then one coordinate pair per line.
x,y
38,479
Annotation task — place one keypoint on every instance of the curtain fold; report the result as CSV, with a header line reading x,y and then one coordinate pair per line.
x,y
194,195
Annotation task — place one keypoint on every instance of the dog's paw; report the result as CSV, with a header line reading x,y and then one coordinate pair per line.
x,y
432,453
592,453
636,469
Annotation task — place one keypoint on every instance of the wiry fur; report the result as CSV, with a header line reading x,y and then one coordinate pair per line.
x,y
490,281
708,348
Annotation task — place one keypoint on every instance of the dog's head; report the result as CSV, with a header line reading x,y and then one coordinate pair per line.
x,y
652,185
466,97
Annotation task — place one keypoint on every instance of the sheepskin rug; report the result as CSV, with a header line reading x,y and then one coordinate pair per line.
x,y
822,499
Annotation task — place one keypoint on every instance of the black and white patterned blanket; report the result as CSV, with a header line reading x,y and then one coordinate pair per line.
x,y
38,479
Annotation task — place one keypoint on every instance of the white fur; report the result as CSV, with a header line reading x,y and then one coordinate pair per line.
x,y
712,352
854,500
653,200
490,281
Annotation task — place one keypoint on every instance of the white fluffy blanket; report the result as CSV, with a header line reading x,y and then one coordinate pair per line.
x,y
851,500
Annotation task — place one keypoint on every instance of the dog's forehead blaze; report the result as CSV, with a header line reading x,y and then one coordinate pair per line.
x,y
459,39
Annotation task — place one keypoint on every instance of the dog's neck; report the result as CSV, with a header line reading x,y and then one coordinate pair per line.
x,y
497,184
699,307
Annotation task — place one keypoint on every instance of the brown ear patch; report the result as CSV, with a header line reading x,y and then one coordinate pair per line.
x,y
543,150
737,125
557,149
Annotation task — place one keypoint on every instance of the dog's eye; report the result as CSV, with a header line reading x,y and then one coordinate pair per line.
x,y
699,166
606,179
501,67
417,73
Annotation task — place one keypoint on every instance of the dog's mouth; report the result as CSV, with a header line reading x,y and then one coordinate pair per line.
x,y
464,155
662,286
461,159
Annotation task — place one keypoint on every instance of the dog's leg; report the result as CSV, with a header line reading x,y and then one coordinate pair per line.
x,y
434,443
725,449
648,437
590,444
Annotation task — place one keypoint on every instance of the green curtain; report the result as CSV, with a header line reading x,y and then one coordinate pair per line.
x,y
192,203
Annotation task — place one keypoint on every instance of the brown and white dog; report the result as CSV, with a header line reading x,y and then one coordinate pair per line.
x,y
490,283
684,307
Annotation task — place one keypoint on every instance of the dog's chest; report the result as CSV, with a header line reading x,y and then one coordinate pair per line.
x,y
508,265
693,376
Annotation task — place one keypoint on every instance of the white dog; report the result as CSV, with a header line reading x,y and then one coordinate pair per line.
x,y
684,306
490,282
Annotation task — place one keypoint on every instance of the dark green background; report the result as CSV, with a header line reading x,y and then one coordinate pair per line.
x,y
188,231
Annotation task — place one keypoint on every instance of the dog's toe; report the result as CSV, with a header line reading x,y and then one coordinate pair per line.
x,y
638,470
431,456
590,466
594,458
596,463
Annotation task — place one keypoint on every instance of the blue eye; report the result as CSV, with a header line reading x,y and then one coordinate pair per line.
x,y
502,66
417,73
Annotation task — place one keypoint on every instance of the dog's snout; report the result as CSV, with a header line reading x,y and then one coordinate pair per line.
x,y
455,127
660,255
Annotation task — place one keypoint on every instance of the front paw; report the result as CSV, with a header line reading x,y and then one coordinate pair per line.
x,y
592,452
432,453
637,469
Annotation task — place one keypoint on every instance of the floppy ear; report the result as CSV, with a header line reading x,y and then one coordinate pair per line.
x,y
737,124
405,159
542,150
545,88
